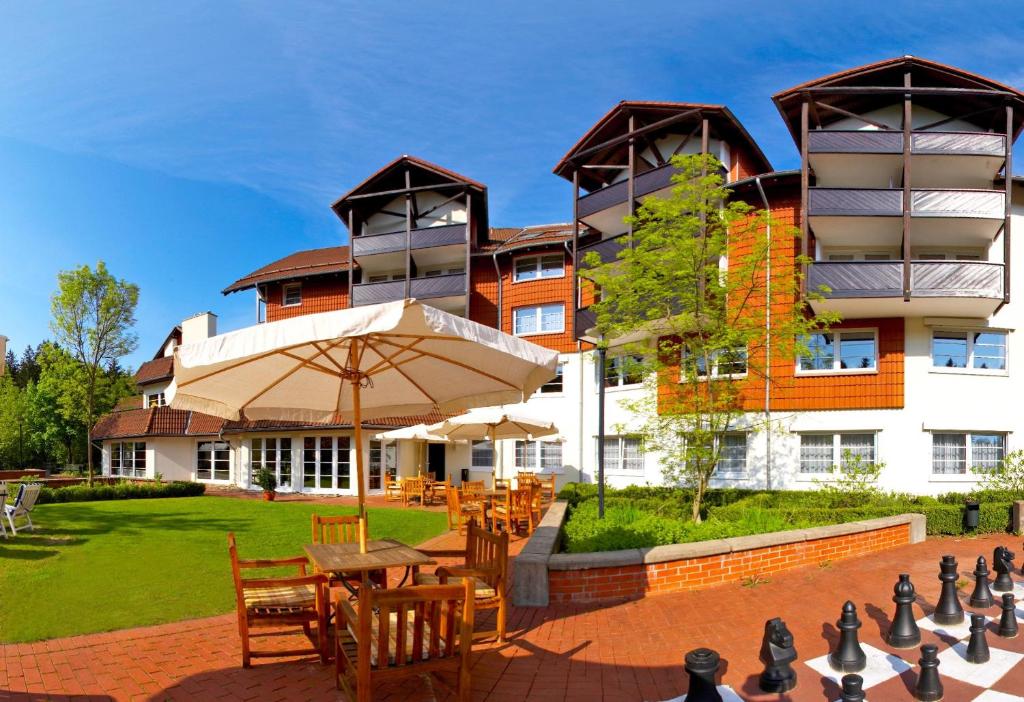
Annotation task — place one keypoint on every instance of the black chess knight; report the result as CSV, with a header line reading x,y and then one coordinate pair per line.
x,y
1002,564
777,654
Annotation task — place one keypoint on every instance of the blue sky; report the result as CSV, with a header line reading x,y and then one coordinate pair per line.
x,y
188,143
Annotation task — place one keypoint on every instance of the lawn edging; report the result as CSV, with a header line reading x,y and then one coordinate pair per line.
x,y
543,576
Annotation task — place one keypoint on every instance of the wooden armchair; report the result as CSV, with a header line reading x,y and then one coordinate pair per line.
x,y
274,602
392,489
485,564
413,488
547,487
502,483
404,632
516,508
439,489
459,511
526,480
343,530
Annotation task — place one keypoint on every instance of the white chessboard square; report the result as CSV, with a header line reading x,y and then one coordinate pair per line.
x,y
953,664
996,696
727,693
880,667
953,631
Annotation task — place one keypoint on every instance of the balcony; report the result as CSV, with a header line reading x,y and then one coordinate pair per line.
x,y
605,209
423,238
873,216
435,288
859,289
607,249
874,158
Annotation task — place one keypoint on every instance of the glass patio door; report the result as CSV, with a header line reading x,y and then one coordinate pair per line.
x,y
275,454
326,465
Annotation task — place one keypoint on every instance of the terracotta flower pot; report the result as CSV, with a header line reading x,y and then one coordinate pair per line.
x,y
269,495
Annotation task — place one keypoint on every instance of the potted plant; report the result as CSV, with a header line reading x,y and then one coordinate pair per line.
x,y
266,479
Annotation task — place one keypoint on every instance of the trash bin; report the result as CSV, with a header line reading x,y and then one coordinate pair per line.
x,y
465,475
972,512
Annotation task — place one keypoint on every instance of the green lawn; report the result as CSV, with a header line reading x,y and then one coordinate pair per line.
x,y
97,566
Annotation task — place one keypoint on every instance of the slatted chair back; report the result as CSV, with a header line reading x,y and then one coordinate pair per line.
x,y
502,483
392,489
335,530
412,487
28,496
3,503
520,502
473,489
547,487
486,551
454,509
526,479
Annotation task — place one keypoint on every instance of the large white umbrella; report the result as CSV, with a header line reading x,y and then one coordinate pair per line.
x,y
494,423
394,359
417,432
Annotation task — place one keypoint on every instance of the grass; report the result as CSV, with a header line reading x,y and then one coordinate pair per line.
x,y
98,566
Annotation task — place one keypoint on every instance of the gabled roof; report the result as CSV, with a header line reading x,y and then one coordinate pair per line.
x,y
508,239
155,371
616,123
889,73
175,334
332,260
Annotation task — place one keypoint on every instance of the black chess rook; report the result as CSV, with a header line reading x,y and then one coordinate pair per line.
x,y
1008,619
702,666
948,610
848,657
778,655
977,647
982,595
904,632
928,687
853,688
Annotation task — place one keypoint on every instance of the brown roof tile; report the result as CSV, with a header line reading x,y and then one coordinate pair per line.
x,y
507,239
301,264
129,423
155,370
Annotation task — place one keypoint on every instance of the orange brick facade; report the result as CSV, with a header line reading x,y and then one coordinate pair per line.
x,y
321,294
636,581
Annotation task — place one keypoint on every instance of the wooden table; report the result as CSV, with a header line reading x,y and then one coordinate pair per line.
x,y
380,555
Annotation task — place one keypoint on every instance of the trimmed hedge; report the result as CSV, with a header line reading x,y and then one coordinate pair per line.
x,y
126,490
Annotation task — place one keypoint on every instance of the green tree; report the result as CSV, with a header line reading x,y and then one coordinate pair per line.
x,y
692,288
14,410
93,315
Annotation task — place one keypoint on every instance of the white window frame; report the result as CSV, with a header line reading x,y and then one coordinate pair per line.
x,y
539,309
538,269
968,476
279,453
970,369
215,442
727,474
535,447
560,374
472,455
836,335
837,452
284,294
130,469
715,372
156,399
619,466
620,376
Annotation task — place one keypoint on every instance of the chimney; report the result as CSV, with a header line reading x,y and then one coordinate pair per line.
x,y
3,353
198,327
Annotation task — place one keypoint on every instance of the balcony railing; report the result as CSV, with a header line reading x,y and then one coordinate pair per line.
x,y
420,288
888,202
423,238
439,286
608,249
616,193
863,141
375,293
853,279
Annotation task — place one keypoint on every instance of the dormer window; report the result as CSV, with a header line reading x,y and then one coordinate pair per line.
x,y
291,295
156,399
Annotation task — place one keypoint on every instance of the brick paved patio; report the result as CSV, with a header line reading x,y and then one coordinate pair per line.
x,y
620,651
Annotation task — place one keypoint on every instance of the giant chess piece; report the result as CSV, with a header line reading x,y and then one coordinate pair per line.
x,y
948,610
1008,619
928,687
1002,564
904,632
982,595
702,666
853,688
849,656
977,647
777,654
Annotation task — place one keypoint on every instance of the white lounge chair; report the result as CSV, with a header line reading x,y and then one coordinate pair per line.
x,y
23,505
3,504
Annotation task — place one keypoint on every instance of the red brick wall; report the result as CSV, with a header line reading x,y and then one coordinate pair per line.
x,y
635,581
321,294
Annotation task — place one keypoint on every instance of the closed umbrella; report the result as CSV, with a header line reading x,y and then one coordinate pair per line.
x,y
394,359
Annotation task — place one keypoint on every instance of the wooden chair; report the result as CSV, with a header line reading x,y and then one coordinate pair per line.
x,y
471,488
547,487
526,480
392,489
439,489
459,511
276,602
485,563
502,483
343,530
516,508
413,488
404,632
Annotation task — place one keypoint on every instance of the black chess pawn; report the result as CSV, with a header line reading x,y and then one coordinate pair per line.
x,y
702,666
904,632
948,610
1002,564
928,687
977,647
777,654
982,595
1008,619
849,656
853,688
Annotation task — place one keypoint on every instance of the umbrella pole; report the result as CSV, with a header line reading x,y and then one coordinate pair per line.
x,y
357,426
497,460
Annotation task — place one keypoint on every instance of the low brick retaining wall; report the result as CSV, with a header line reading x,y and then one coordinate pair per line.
x,y
21,473
634,573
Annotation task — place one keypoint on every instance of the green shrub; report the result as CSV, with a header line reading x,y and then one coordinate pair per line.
x,y
126,490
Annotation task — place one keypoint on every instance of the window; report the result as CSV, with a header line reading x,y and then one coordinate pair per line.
x,y
545,454
623,370
555,384
820,453
128,458
732,454
536,267
623,454
378,278
724,364
483,454
542,319
383,459
156,400
291,295
954,453
980,350
275,454
213,460
839,351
